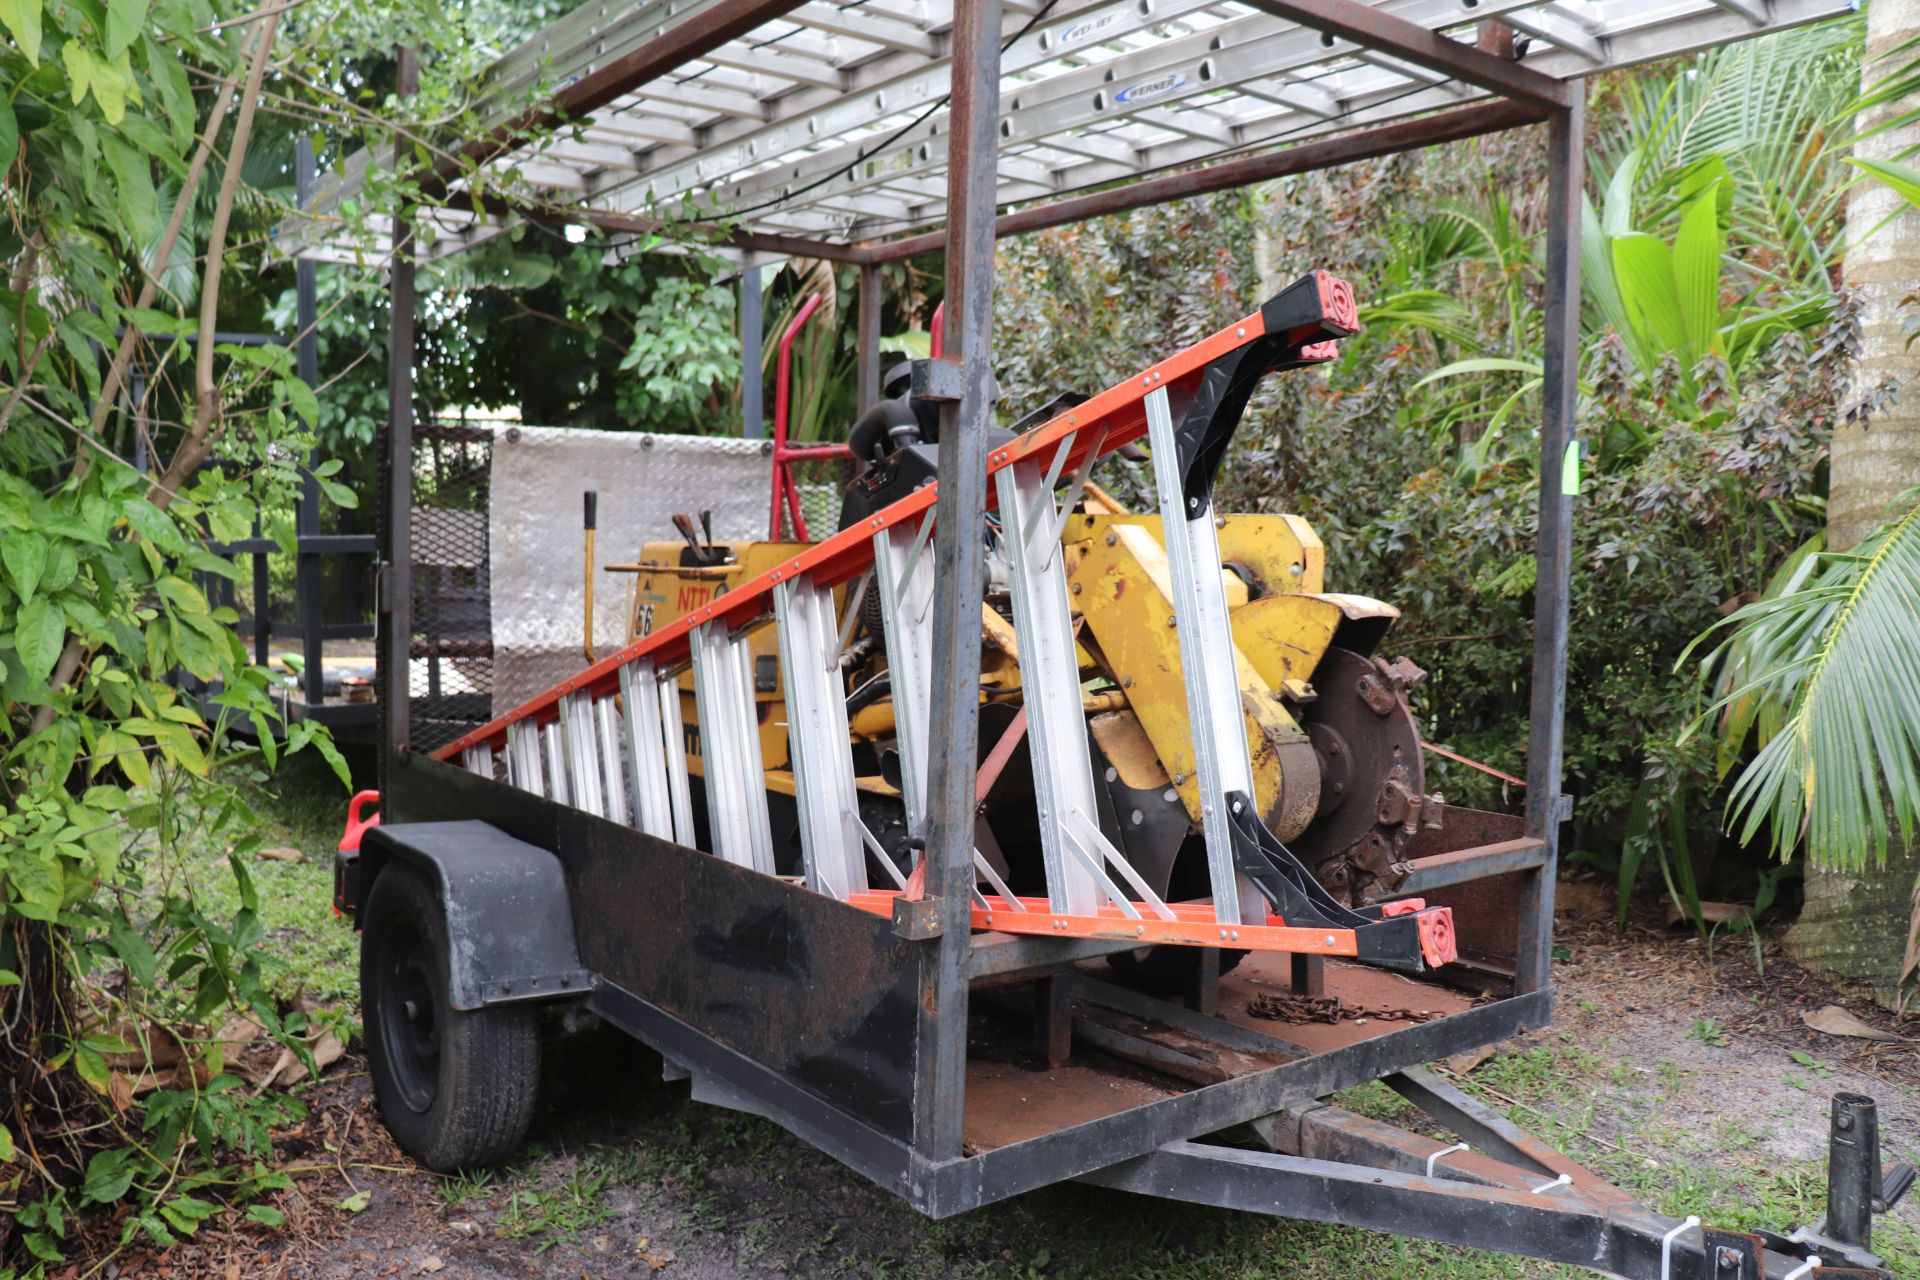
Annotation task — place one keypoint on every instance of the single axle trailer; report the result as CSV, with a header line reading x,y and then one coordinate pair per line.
x,y
565,854
953,1039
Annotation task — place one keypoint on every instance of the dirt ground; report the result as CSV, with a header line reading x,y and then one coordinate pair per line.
x,y
1697,1085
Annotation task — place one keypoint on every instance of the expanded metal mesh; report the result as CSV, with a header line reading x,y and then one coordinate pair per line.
x,y
450,667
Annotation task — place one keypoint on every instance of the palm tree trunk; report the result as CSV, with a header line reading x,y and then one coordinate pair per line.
x,y
1856,925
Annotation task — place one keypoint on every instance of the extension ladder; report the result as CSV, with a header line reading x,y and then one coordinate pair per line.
x,y
609,739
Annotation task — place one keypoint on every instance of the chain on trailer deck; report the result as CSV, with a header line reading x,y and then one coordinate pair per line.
x,y
594,740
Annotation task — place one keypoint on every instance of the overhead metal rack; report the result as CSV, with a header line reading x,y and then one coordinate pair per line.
x,y
824,126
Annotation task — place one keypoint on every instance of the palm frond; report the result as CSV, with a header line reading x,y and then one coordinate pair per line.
x,y
1831,666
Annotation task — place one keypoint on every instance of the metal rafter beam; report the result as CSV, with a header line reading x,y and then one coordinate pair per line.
x,y
872,28
1465,122
1375,29
694,37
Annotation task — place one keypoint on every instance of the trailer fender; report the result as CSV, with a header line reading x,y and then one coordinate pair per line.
x,y
509,920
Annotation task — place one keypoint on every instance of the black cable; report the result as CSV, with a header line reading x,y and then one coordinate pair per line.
x,y
892,138
1408,92
884,143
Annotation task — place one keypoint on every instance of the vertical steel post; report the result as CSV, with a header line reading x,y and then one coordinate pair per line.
x,y
1553,551
752,422
306,608
1853,1169
399,569
953,729
866,377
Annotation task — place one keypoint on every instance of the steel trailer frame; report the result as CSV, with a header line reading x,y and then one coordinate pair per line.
x,y
853,1034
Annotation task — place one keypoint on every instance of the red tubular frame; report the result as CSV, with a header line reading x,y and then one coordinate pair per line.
x,y
784,454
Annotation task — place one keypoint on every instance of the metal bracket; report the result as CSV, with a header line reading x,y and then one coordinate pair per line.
x,y
916,919
945,380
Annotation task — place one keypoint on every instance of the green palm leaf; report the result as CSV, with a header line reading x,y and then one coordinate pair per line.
x,y
1833,663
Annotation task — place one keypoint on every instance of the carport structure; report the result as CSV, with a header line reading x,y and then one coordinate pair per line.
x,y
869,131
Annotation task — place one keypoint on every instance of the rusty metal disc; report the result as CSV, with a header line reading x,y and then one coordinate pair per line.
x,y
1370,766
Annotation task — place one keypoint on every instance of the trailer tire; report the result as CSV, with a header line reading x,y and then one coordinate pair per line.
x,y
455,1087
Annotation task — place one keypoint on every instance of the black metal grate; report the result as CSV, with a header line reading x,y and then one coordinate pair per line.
x,y
450,676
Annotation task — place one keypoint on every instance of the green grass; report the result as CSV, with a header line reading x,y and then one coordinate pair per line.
x,y
307,947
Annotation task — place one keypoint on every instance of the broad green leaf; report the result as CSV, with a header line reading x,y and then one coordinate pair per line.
x,y
114,86
266,1215
9,133
63,566
170,83
303,401
1644,269
124,20
1697,251
80,63
181,594
25,555
1618,220
41,631
22,18
1596,274
358,1201
37,885
103,1042
134,953
340,495
109,1172
1903,179
6,1145
134,197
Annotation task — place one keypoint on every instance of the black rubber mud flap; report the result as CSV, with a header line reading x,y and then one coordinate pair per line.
x,y
509,920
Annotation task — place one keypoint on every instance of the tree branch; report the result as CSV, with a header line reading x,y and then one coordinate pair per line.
x,y
189,188
193,450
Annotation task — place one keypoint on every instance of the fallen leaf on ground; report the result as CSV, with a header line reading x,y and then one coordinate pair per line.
x,y
1832,1020
430,1266
288,1070
282,853
464,1228
1584,900
658,1261
357,1201
1463,1063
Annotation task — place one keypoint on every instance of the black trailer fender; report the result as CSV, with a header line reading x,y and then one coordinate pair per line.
x,y
509,920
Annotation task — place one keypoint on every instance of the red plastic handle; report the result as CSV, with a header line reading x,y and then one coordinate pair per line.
x,y
357,825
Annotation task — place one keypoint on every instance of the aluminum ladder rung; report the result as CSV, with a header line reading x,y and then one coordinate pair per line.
x,y
648,741
819,745
1208,665
478,759
730,748
580,750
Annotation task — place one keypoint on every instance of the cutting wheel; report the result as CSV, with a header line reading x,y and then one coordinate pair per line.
x,y
1371,780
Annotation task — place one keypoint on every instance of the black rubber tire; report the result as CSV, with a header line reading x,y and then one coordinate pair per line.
x,y
1163,970
455,1088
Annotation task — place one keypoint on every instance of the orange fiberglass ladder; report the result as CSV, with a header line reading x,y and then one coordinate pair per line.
x,y
609,740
